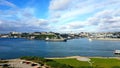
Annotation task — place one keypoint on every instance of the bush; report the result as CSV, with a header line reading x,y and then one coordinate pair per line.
x,y
42,61
55,64
44,36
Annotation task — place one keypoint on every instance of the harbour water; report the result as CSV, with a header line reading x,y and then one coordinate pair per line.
x,y
14,48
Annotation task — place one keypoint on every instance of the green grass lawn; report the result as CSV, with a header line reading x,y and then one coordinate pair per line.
x,y
97,63
73,62
106,63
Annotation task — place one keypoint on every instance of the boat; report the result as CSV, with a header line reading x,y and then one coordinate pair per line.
x,y
117,52
90,39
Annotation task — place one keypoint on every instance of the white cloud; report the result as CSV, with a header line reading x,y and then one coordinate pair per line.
x,y
7,3
73,26
98,14
83,15
37,22
22,20
0,22
107,20
59,4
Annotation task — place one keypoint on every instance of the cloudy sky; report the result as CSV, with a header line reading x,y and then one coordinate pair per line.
x,y
59,15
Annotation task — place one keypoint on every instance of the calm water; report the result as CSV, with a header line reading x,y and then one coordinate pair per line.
x,y
13,48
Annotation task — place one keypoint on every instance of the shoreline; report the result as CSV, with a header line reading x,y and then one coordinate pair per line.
x,y
83,58
67,57
79,58
109,39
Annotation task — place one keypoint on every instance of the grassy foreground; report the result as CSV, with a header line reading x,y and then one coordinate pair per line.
x,y
73,63
96,63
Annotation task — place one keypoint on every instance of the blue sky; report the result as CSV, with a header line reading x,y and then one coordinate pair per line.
x,y
59,15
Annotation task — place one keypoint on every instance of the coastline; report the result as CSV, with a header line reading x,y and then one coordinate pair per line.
x,y
109,39
83,58
70,57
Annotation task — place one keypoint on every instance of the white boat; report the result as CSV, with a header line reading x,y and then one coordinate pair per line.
x,y
90,39
47,38
117,52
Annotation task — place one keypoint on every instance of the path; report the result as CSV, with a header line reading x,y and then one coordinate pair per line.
x,y
17,63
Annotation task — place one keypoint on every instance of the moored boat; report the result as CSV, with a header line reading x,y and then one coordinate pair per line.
x,y
117,52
